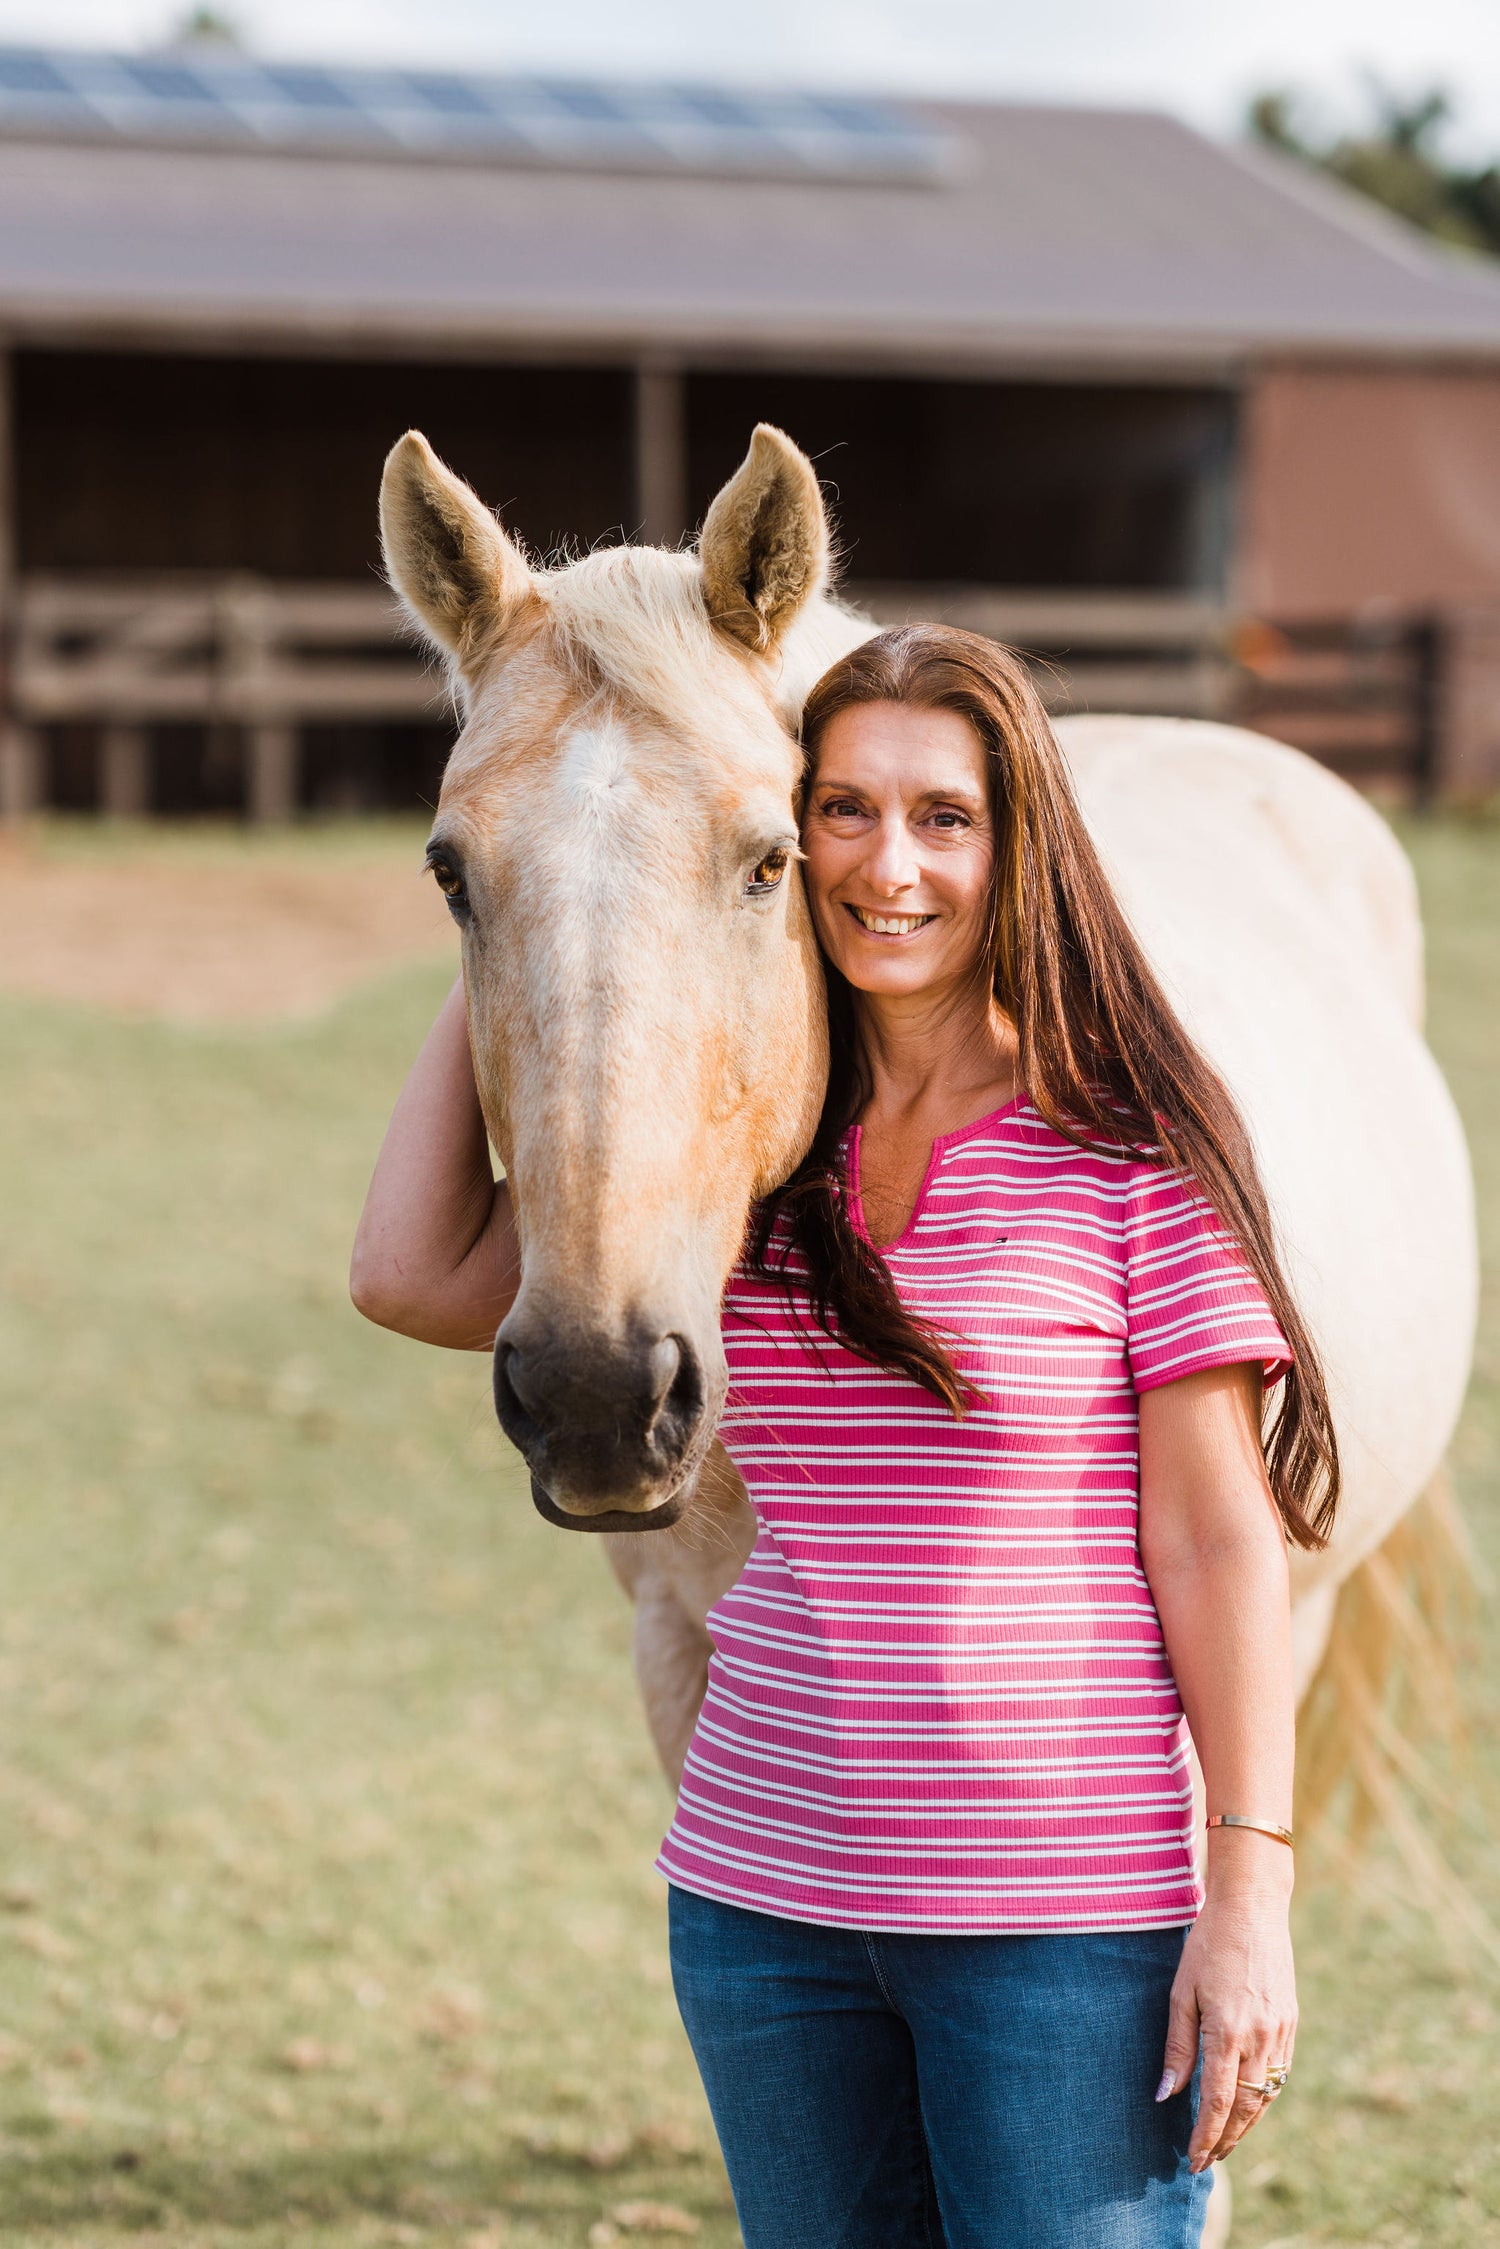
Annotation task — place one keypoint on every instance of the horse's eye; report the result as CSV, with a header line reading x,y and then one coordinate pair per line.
x,y
770,871
451,883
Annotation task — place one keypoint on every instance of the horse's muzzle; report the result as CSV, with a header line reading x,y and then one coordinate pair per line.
x,y
613,1519
613,1428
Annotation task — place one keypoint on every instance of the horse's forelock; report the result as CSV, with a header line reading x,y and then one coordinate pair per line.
x,y
632,619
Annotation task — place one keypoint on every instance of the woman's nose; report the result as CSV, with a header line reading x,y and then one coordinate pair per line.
x,y
892,864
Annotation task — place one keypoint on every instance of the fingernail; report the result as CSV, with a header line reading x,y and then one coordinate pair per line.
x,y
1168,2085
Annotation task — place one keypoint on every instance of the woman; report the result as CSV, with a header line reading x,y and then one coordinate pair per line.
x,y
998,1353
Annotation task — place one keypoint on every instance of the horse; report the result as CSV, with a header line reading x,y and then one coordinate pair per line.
x,y
646,1016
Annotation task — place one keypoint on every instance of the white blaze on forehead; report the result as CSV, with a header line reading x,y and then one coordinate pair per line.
x,y
595,761
609,934
600,903
601,816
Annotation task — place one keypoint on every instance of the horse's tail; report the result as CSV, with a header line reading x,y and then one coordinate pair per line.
x,y
1382,1716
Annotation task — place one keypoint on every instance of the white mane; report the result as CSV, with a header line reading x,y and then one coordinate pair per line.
x,y
636,619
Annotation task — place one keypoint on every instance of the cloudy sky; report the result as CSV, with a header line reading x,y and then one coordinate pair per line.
x,y
1200,57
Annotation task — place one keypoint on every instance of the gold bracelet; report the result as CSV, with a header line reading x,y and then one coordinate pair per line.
x,y
1262,1827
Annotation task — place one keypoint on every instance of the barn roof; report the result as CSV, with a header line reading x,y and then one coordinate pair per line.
x,y
940,234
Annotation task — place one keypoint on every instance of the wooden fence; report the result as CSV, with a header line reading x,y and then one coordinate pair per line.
x,y
267,660
262,664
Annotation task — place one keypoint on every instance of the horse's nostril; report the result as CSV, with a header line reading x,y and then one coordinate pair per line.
x,y
663,1367
512,1406
677,1395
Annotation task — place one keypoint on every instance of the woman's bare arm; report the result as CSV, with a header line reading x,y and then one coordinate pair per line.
x,y
436,1254
1215,1558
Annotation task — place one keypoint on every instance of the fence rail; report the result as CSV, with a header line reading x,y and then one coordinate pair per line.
x,y
264,662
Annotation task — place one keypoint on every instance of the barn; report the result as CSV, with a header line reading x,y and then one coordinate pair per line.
x,y
1201,432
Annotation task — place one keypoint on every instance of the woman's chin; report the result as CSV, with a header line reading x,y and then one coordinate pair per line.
x,y
892,974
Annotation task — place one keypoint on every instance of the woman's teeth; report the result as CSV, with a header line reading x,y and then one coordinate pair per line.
x,y
889,925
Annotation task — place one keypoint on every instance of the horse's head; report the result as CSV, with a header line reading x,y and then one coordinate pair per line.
x,y
617,834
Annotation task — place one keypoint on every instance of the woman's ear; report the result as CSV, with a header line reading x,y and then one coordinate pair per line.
x,y
764,549
453,566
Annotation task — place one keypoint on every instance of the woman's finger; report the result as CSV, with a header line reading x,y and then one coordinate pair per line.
x,y
1216,2098
1266,2052
1247,2112
1181,2053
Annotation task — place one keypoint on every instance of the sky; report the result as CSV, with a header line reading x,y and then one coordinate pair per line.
x,y
1201,58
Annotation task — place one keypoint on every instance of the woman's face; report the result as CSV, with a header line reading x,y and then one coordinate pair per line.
x,y
899,848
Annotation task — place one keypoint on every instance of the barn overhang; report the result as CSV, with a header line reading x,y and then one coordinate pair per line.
x,y
1090,343
1044,242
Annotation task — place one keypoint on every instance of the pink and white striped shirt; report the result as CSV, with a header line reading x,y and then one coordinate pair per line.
x,y
939,1697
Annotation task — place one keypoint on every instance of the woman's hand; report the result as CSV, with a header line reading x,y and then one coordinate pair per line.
x,y
1235,1991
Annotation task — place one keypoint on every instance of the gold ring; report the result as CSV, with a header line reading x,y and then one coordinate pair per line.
x,y
1276,2077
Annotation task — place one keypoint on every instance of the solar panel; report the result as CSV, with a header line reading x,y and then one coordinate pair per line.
x,y
21,73
455,97
310,89
216,96
168,82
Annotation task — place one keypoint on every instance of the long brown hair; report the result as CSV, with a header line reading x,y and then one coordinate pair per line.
x,y
1103,1056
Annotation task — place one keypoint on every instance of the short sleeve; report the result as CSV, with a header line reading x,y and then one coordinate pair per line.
x,y
1191,1299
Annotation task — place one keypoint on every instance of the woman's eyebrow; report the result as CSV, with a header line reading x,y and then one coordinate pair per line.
x,y
946,792
952,792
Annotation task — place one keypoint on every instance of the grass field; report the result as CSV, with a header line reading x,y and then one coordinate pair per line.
x,y
326,1811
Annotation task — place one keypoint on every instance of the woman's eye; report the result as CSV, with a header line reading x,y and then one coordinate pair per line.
x,y
949,820
842,808
769,873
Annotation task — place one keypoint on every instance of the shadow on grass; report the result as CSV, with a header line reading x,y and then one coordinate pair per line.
x,y
51,2185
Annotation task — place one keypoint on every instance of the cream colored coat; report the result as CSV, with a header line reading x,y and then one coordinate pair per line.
x,y
1281,915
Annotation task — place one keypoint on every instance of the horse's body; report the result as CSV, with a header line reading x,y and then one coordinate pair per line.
x,y
648,1037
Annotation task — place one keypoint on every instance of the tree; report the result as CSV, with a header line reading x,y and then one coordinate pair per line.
x,y
1397,161
206,27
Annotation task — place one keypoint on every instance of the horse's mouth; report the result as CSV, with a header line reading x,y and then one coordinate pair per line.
x,y
611,1519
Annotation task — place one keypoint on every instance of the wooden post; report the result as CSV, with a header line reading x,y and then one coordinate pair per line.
x,y
124,772
1467,748
661,495
271,791
20,753
21,777
246,626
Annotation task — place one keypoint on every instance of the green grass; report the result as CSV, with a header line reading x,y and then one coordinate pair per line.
x,y
1388,2133
378,837
326,1812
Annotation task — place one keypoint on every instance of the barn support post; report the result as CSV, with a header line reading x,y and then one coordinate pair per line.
x,y
661,498
1468,755
246,614
124,772
20,752
271,778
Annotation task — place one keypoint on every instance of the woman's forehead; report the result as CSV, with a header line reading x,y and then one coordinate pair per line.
x,y
909,749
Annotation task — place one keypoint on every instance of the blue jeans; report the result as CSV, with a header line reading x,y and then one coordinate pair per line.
x,y
938,2092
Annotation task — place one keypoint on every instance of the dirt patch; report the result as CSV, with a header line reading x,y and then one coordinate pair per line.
x,y
228,939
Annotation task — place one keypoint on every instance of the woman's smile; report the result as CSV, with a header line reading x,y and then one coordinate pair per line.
x,y
886,925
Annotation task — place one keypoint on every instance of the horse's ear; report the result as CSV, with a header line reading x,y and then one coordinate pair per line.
x,y
764,549
455,569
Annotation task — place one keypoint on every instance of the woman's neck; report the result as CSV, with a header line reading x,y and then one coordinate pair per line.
x,y
948,1056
